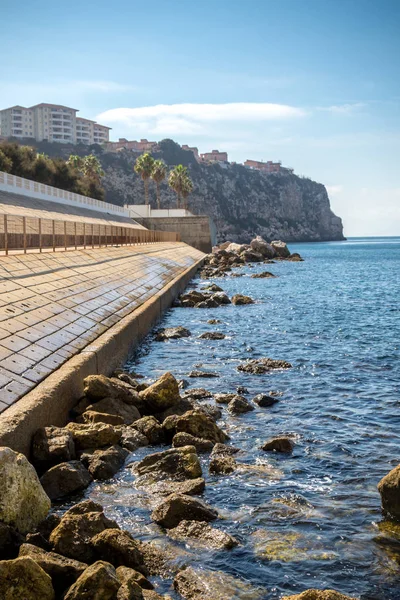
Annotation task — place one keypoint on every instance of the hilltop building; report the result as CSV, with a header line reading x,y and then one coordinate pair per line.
x,y
124,144
192,149
53,123
267,167
214,156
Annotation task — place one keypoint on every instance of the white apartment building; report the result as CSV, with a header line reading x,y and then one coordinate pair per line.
x,y
51,122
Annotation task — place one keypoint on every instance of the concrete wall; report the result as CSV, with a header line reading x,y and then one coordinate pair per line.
x,y
199,232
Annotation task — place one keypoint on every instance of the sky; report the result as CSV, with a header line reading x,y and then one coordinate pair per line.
x,y
313,83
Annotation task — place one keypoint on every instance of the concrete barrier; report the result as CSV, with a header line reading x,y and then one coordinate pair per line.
x,y
51,401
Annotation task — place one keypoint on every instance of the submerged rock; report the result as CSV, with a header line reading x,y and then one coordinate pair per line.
x,y
389,489
162,394
212,335
24,503
97,582
264,401
176,463
172,333
222,464
214,322
65,478
278,444
191,487
319,595
259,366
103,464
180,507
263,275
204,534
240,299
24,579
203,374
72,537
51,446
203,584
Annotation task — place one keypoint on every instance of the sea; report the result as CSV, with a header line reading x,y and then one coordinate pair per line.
x,y
311,519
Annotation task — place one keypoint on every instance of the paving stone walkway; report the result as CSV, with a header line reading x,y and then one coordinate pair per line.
x,y
53,305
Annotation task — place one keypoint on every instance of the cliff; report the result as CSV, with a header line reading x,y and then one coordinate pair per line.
x,y
242,203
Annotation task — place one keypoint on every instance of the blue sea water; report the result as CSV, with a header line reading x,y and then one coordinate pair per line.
x,y
312,519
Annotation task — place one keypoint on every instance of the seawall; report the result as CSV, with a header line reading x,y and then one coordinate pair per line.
x,y
70,314
197,231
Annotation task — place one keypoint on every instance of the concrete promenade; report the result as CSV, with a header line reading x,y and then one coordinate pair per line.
x,y
55,305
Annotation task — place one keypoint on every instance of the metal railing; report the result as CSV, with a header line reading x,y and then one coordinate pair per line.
x,y
20,234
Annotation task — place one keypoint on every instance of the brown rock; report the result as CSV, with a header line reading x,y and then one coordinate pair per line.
x,y
63,571
115,406
92,416
198,424
10,541
24,579
98,387
186,439
119,547
96,435
278,444
239,405
259,366
389,489
131,439
51,446
280,248
204,584
212,335
180,507
172,333
319,595
97,582
177,463
191,487
126,574
221,464
162,394
240,299
103,464
64,479
203,533
151,428
263,275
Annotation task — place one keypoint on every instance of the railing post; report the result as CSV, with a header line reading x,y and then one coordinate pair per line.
x,y
54,235
24,231
75,234
99,236
5,235
92,235
112,235
40,233
105,227
84,235
65,235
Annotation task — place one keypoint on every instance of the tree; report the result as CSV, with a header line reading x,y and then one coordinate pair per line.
x,y
91,168
144,167
158,174
176,180
186,190
5,163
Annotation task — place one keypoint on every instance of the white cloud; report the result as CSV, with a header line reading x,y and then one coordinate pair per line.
x,y
343,109
169,119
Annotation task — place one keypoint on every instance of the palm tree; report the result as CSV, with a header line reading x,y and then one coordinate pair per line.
x,y
158,174
144,167
176,181
186,190
91,167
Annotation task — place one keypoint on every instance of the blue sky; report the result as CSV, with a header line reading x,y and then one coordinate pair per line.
x,y
314,83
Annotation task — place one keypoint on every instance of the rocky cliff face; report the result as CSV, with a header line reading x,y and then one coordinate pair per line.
x,y
242,203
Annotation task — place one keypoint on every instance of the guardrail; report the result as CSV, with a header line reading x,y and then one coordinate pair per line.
x,y
41,191
33,233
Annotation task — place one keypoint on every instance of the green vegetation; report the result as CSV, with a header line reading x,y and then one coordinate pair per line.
x,y
158,175
144,167
181,183
81,175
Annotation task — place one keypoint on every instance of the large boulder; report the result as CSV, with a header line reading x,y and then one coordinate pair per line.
x,y
203,584
117,407
64,479
198,424
23,501
63,571
97,387
97,582
162,394
233,247
222,464
180,507
319,595
262,247
151,428
240,299
220,298
171,333
131,439
202,533
259,366
24,579
103,464
251,256
278,444
280,248
191,487
264,400
239,405
389,489
176,463
72,537
95,435
51,446
126,575
119,548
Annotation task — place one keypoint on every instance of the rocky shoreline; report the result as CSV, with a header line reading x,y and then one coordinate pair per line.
x,y
83,553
